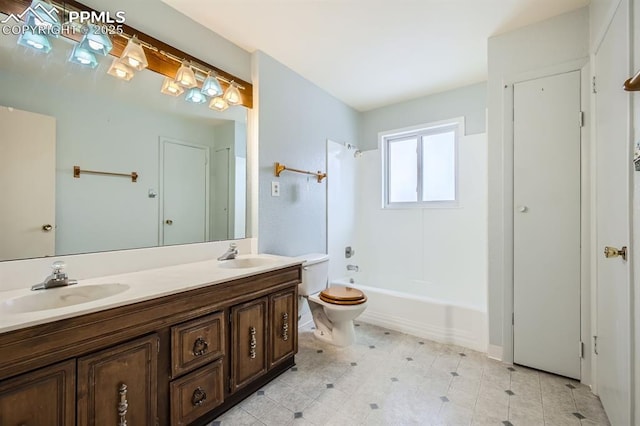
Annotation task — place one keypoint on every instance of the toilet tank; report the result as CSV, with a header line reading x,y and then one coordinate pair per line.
x,y
315,273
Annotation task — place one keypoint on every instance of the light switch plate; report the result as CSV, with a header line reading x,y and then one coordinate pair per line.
x,y
275,189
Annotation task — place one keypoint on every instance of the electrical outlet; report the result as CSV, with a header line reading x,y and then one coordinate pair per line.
x,y
275,189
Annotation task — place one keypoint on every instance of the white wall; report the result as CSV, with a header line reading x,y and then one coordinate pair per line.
x,y
545,47
296,119
441,250
469,102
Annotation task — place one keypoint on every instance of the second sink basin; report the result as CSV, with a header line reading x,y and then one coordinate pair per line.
x,y
246,262
60,297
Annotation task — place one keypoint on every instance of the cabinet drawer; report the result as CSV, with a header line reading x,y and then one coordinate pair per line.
x,y
196,343
197,393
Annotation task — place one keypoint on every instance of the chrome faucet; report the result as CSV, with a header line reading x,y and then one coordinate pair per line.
x,y
56,279
231,252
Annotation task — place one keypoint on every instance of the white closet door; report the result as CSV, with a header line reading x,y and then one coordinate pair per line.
x,y
546,329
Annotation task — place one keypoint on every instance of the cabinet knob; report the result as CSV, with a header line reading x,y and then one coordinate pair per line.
x,y
198,397
200,347
47,227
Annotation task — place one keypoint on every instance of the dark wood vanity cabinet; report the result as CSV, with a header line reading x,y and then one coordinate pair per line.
x,y
181,359
118,386
283,326
249,342
42,397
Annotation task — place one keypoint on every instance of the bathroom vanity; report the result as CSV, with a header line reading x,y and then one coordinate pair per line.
x,y
160,355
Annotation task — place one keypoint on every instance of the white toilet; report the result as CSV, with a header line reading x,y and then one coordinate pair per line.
x,y
333,308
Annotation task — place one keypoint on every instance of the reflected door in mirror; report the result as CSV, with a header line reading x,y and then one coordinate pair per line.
x,y
27,184
185,194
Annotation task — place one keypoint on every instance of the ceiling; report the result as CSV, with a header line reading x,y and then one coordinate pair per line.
x,y
372,53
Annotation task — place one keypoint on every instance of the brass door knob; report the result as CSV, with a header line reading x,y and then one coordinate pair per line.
x,y
614,252
168,222
47,227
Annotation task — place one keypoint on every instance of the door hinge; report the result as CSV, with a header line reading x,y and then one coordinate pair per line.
x,y
595,345
581,349
581,118
158,344
229,383
513,318
593,84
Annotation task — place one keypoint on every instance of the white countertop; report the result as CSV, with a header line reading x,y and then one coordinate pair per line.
x,y
143,285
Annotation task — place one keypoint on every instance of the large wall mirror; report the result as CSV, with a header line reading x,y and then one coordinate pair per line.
x,y
190,160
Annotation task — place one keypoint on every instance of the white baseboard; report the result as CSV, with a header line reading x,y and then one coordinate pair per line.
x,y
458,337
495,352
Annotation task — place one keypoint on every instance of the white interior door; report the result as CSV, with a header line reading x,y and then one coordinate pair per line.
x,y
27,184
221,194
546,330
612,219
185,199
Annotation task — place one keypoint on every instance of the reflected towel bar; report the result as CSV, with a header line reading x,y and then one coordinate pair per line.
x,y
279,168
77,171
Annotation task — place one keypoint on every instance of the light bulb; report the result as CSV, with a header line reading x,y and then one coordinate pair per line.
x,y
172,89
95,45
35,44
133,62
84,61
120,73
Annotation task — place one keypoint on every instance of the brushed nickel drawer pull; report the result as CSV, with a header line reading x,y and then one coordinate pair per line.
x,y
285,326
123,405
200,347
252,342
199,396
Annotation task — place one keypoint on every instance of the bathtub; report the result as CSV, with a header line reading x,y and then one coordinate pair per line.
x,y
438,320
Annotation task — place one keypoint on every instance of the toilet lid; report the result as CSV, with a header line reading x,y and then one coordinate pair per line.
x,y
343,296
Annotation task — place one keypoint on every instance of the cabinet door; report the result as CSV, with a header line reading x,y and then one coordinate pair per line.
x,y
283,326
42,397
248,342
119,385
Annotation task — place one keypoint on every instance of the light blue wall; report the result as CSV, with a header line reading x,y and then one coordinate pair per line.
x,y
469,102
296,119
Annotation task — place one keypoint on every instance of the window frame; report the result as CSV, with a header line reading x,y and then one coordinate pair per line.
x,y
387,137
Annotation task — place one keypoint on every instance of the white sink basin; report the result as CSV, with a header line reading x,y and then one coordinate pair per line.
x,y
246,262
60,297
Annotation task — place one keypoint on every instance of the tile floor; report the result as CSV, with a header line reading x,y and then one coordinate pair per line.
x,y
390,378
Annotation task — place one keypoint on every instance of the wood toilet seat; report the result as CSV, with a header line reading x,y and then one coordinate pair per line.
x,y
343,296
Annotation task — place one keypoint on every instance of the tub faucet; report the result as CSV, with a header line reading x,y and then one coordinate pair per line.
x,y
354,268
56,279
231,252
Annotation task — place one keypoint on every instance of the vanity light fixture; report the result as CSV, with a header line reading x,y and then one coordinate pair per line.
x,y
218,103
170,87
185,76
121,70
95,40
82,56
133,55
34,41
211,86
232,94
195,96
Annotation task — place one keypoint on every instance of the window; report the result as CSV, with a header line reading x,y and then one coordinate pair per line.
x,y
420,165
